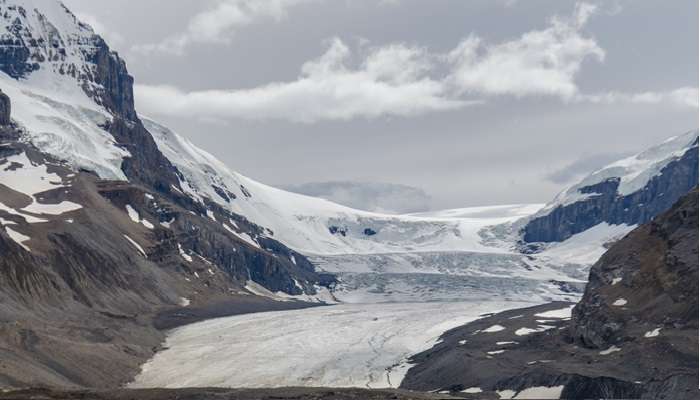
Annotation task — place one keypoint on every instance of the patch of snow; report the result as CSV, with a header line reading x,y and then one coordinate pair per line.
x,y
6,222
615,281
243,236
52,209
18,238
561,313
653,333
610,350
138,247
585,248
505,343
620,302
211,215
184,301
462,342
525,331
494,352
29,178
494,328
506,394
147,224
133,214
166,224
32,179
260,290
184,255
30,219
540,392
474,390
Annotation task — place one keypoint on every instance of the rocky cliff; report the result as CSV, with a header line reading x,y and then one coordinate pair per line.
x,y
633,335
647,282
5,109
602,198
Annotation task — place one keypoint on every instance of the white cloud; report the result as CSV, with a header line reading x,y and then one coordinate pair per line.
x,y
404,80
685,97
220,23
328,88
540,62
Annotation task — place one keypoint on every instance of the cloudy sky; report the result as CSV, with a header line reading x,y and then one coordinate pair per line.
x,y
472,101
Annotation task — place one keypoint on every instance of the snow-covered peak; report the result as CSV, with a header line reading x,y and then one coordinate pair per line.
x,y
44,34
633,172
316,226
55,70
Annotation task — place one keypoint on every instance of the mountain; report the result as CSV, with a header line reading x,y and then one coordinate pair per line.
x,y
631,191
113,227
72,99
101,246
633,334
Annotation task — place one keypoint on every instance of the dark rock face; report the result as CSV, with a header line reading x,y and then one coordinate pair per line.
x,y
14,56
654,272
116,92
5,108
633,335
338,230
8,131
147,165
662,191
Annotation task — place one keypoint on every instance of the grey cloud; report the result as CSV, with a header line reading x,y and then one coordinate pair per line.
x,y
582,167
400,80
496,152
368,196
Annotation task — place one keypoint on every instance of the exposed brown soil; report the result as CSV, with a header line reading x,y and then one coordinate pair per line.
x,y
226,394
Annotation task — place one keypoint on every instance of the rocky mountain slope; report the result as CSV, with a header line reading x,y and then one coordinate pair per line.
x,y
631,191
98,238
633,335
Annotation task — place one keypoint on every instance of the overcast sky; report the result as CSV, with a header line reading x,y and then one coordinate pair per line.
x,y
473,101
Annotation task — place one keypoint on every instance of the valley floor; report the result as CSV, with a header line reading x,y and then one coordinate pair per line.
x,y
224,394
348,345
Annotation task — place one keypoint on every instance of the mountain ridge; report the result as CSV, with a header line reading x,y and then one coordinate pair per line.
x,y
630,191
